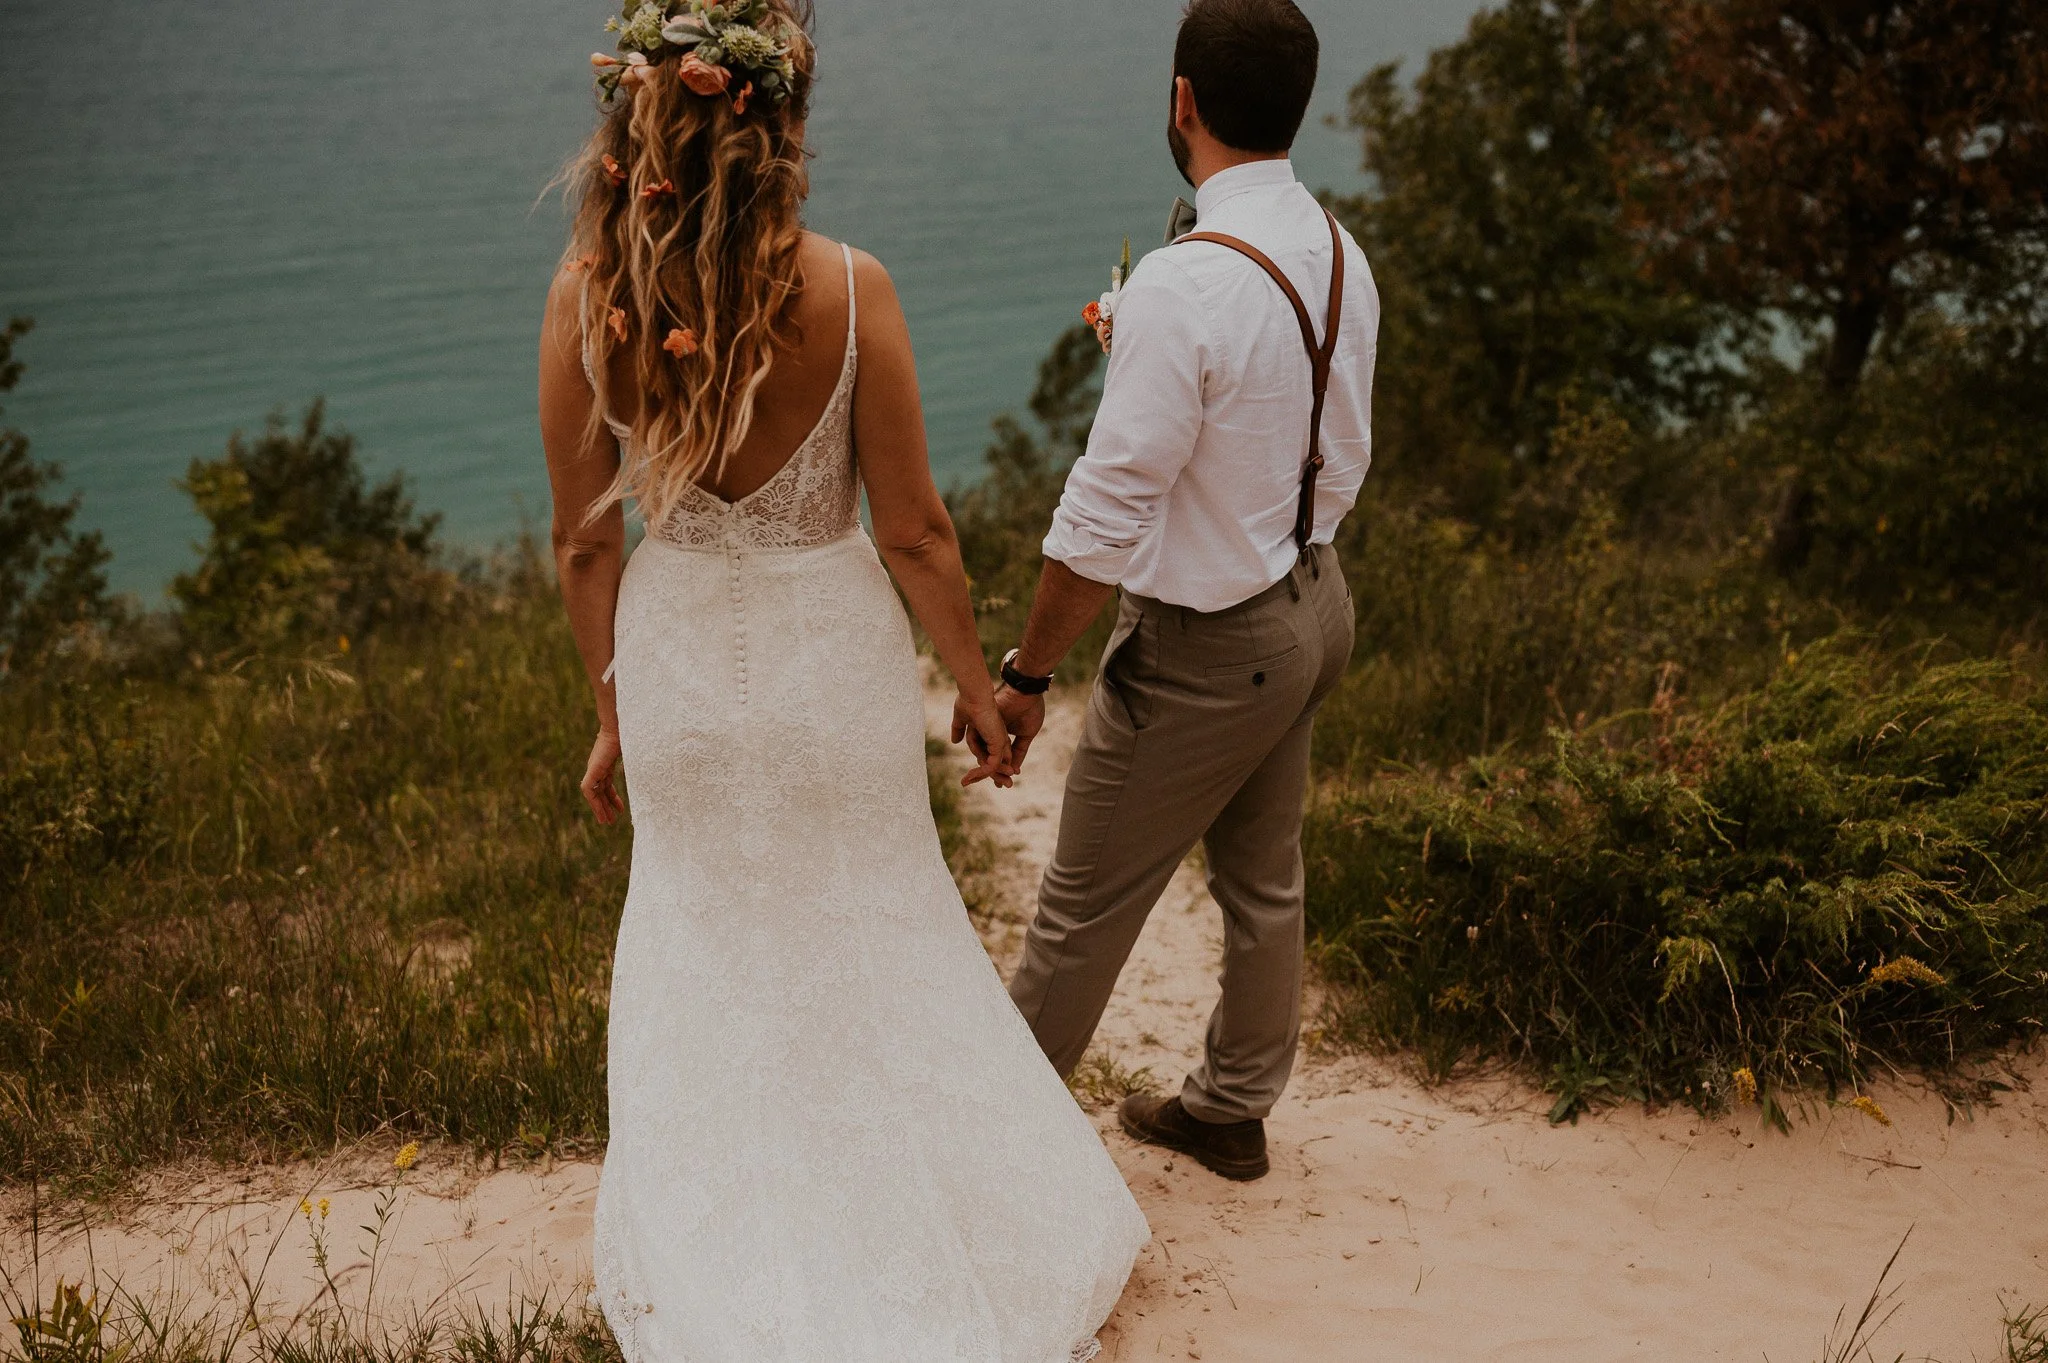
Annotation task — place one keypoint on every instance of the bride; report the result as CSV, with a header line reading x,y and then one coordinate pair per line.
x,y
833,1139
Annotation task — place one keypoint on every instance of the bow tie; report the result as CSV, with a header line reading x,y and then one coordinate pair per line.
x,y
1181,221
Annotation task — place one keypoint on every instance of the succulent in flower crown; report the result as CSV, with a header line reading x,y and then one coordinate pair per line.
x,y
737,47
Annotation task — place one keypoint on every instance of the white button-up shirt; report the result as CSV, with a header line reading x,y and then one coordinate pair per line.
x,y
1188,490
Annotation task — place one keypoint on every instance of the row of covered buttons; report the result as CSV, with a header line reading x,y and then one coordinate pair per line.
x,y
739,617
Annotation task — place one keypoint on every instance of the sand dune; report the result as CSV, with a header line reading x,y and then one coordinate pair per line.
x,y
1400,1222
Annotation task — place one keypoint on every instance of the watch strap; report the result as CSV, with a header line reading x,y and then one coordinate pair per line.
x,y
1023,682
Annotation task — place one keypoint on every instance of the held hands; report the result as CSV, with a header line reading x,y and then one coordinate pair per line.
x,y
982,726
1016,717
598,790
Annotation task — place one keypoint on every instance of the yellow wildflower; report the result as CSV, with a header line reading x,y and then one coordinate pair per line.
x,y
407,1156
1906,970
1745,1086
305,1207
323,1209
1869,1108
1456,999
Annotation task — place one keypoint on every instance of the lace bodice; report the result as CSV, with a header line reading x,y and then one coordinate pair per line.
x,y
813,499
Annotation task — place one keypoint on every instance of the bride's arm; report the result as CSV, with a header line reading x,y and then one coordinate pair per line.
x,y
589,554
912,528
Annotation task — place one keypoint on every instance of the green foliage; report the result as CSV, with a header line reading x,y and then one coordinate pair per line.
x,y
1472,637
1002,519
1645,915
257,912
53,580
1930,492
1494,229
300,546
80,794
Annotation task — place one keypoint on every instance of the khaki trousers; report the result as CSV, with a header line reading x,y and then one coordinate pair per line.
x,y
1198,730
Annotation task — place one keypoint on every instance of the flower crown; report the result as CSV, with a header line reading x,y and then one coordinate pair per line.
x,y
740,48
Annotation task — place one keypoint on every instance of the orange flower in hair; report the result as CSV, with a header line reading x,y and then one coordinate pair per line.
x,y
681,341
701,76
613,171
739,101
666,187
618,322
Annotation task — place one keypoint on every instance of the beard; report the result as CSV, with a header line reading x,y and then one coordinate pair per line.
x,y
1175,143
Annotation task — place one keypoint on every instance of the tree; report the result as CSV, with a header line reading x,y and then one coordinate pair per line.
x,y
52,580
1828,160
1496,234
299,542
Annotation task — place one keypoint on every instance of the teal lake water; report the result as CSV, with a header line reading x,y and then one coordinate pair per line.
x,y
216,209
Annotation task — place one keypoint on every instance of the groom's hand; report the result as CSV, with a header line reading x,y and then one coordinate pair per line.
x,y
982,728
1023,716
1020,716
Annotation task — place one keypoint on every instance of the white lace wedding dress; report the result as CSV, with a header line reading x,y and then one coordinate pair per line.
x,y
833,1139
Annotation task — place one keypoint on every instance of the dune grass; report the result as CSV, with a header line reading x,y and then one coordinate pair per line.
x,y
255,912
252,913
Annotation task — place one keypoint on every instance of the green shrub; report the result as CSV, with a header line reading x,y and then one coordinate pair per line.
x,y
300,546
1471,639
53,580
1931,493
1842,870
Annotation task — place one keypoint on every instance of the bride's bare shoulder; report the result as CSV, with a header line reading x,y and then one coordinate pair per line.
x,y
874,292
820,250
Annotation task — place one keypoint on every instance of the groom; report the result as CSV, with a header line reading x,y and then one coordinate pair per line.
x,y
1233,435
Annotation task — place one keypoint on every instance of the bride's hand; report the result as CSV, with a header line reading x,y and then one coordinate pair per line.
x,y
598,790
981,725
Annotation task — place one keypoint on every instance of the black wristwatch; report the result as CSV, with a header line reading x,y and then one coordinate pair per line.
x,y
1020,682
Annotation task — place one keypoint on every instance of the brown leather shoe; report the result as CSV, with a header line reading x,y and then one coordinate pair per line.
x,y
1236,1150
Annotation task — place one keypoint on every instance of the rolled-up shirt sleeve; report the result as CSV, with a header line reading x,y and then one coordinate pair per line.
x,y
1145,430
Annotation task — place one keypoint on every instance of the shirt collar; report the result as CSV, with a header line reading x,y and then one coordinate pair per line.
x,y
1225,185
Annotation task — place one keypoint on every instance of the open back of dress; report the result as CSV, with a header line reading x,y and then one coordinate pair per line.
x,y
833,1139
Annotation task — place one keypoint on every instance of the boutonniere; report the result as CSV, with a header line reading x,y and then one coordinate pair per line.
x,y
1101,314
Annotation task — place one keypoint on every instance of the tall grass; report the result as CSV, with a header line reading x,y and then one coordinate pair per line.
x,y
257,911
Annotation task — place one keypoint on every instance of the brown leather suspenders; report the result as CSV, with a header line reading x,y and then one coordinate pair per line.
x,y
1319,356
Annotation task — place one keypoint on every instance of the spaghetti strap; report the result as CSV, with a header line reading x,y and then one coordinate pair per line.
x,y
619,429
583,331
852,307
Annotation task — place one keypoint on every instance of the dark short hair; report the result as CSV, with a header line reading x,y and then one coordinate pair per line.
x,y
1252,64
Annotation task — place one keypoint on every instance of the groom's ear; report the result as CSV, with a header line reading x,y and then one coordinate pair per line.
x,y
1186,115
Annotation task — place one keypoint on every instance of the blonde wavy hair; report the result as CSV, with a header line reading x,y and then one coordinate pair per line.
x,y
687,235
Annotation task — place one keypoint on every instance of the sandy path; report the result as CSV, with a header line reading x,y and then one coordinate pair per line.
x,y
1403,1223
1399,1223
